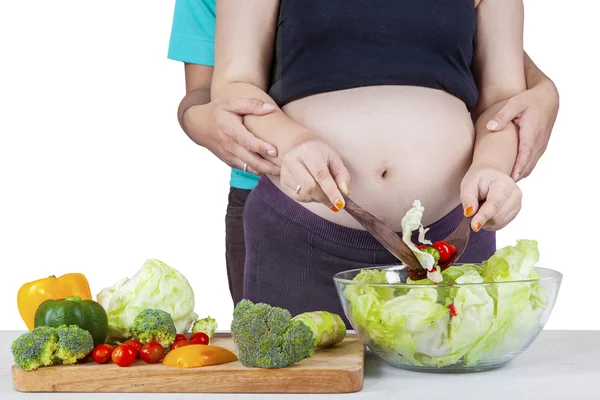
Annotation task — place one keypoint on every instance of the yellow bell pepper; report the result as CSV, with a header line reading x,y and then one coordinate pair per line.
x,y
198,355
32,294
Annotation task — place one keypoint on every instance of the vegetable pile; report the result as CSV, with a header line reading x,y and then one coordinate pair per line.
x,y
445,324
148,317
71,328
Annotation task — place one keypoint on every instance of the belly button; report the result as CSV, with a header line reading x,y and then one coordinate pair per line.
x,y
383,172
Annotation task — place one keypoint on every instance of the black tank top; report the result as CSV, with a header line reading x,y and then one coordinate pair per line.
x,y
328,45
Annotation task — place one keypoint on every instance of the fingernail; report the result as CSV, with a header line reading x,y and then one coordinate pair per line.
x,y
345,189
271,152
468,211
268,106
492,125
332,208
339,204
477,226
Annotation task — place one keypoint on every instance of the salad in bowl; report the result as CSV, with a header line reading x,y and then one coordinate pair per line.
x,y
460,318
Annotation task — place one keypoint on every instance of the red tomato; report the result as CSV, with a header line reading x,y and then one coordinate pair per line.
x,y
152,352
136,344
422,247
452,249
102,353
179,337
123,355
452,310
180,343
199,338
443,249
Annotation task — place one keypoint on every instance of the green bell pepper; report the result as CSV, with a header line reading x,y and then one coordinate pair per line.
x,y
87,314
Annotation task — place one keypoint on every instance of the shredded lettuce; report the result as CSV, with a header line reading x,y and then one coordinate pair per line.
x,y
412,222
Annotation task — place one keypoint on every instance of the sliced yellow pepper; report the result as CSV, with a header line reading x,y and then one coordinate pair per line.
x,y
32,294
198,355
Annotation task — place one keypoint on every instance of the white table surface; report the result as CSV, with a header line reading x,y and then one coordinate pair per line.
x,y
558,365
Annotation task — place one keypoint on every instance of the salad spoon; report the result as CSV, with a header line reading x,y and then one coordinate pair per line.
x,y
384,234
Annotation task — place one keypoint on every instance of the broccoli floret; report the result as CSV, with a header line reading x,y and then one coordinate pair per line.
x,y
74,344
433,252
154,326
34,349
267,337
207,325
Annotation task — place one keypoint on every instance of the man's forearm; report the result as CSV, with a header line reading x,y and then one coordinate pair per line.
x,y
275,128
533,75
497,150
194,97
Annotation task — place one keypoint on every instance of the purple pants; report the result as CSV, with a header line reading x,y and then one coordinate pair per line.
x,y
292,254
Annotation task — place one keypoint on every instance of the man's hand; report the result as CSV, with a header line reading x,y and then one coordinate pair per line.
x,y
219,127
534,111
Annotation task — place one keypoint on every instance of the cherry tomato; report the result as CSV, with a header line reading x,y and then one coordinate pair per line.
x,y
199,338
452,249
179,337
86,358
123,355
443,249
180,343
422,247
152,352
136,344
102,353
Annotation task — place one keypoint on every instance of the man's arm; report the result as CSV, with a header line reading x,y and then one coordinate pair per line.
x,y
534,111
533,75
218,125
197,91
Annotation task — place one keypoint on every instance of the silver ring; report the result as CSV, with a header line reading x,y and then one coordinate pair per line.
x,y
298,189
245,167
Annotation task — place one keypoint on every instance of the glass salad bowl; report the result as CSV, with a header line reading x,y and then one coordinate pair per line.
x,y
463,324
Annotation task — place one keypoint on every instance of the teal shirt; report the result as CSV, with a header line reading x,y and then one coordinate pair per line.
x,y
192,41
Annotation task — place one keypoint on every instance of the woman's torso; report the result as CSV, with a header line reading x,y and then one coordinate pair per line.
x,y
390,89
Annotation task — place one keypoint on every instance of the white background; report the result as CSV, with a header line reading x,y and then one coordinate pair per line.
x,y
96,176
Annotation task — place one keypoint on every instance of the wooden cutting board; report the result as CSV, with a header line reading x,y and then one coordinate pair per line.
x,y
339,369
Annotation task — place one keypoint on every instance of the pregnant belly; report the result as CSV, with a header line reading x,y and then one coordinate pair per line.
x,y
399,143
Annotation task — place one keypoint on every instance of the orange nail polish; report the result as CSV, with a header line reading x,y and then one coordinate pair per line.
x,y
332,208
339,204
468,211
477,226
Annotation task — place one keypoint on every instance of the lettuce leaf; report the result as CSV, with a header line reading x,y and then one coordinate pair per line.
x,y
411,222
421,322
518,306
